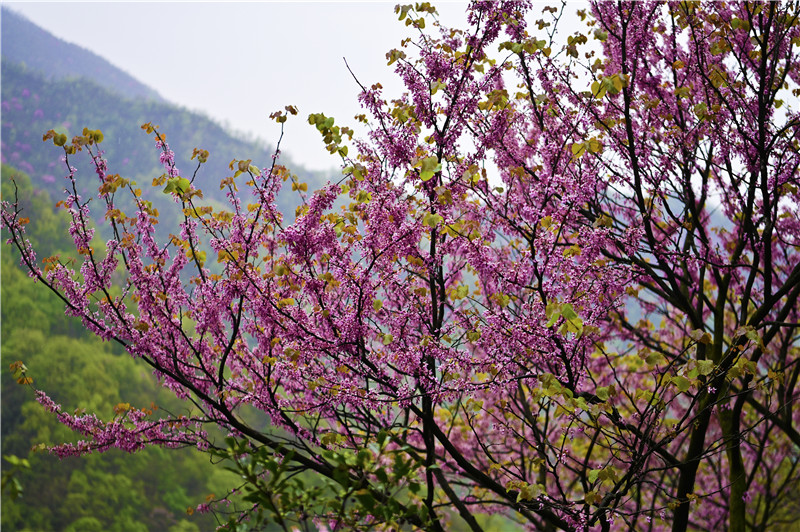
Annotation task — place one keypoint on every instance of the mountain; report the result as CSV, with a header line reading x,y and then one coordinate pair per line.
x,y
37,97
32,105
26,43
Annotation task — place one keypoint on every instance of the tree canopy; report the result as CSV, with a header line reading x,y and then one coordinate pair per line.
x,y
556,282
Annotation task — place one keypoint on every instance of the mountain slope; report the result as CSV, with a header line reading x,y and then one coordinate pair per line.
x,y
42,91
31,105
25,43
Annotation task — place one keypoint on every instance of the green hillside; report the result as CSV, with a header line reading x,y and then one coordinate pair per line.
x,y
114,491
150,490
31,105
25,43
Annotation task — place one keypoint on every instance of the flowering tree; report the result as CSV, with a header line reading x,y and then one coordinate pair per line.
x,y
556,282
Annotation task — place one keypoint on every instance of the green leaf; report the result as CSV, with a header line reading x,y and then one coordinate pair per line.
x,y
593,497
363,458
654,358
366,499
578,149
381,437
700,336
183,185
426,175
428,167
682,383
529,492
381,474
598,89
616,83
554,311
739,24
716,77
705,367
461,292
503,300
403,10
330,438
568,312
701,109
432,220
718,47
753,335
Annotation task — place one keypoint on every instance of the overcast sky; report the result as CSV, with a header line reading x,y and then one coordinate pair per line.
x,y
238,62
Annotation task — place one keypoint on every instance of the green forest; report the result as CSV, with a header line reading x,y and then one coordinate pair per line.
x,y
114,491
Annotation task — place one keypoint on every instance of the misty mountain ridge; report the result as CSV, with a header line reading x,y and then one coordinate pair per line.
x,y
39,95
26,43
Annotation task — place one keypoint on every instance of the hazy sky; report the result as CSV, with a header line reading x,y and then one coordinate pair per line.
x,y
238,62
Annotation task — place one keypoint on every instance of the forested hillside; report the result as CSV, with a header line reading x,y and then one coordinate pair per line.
x,y
114,491
150,490
74,89
33,105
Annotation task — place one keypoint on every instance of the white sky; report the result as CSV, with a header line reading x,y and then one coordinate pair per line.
x,y
238,62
